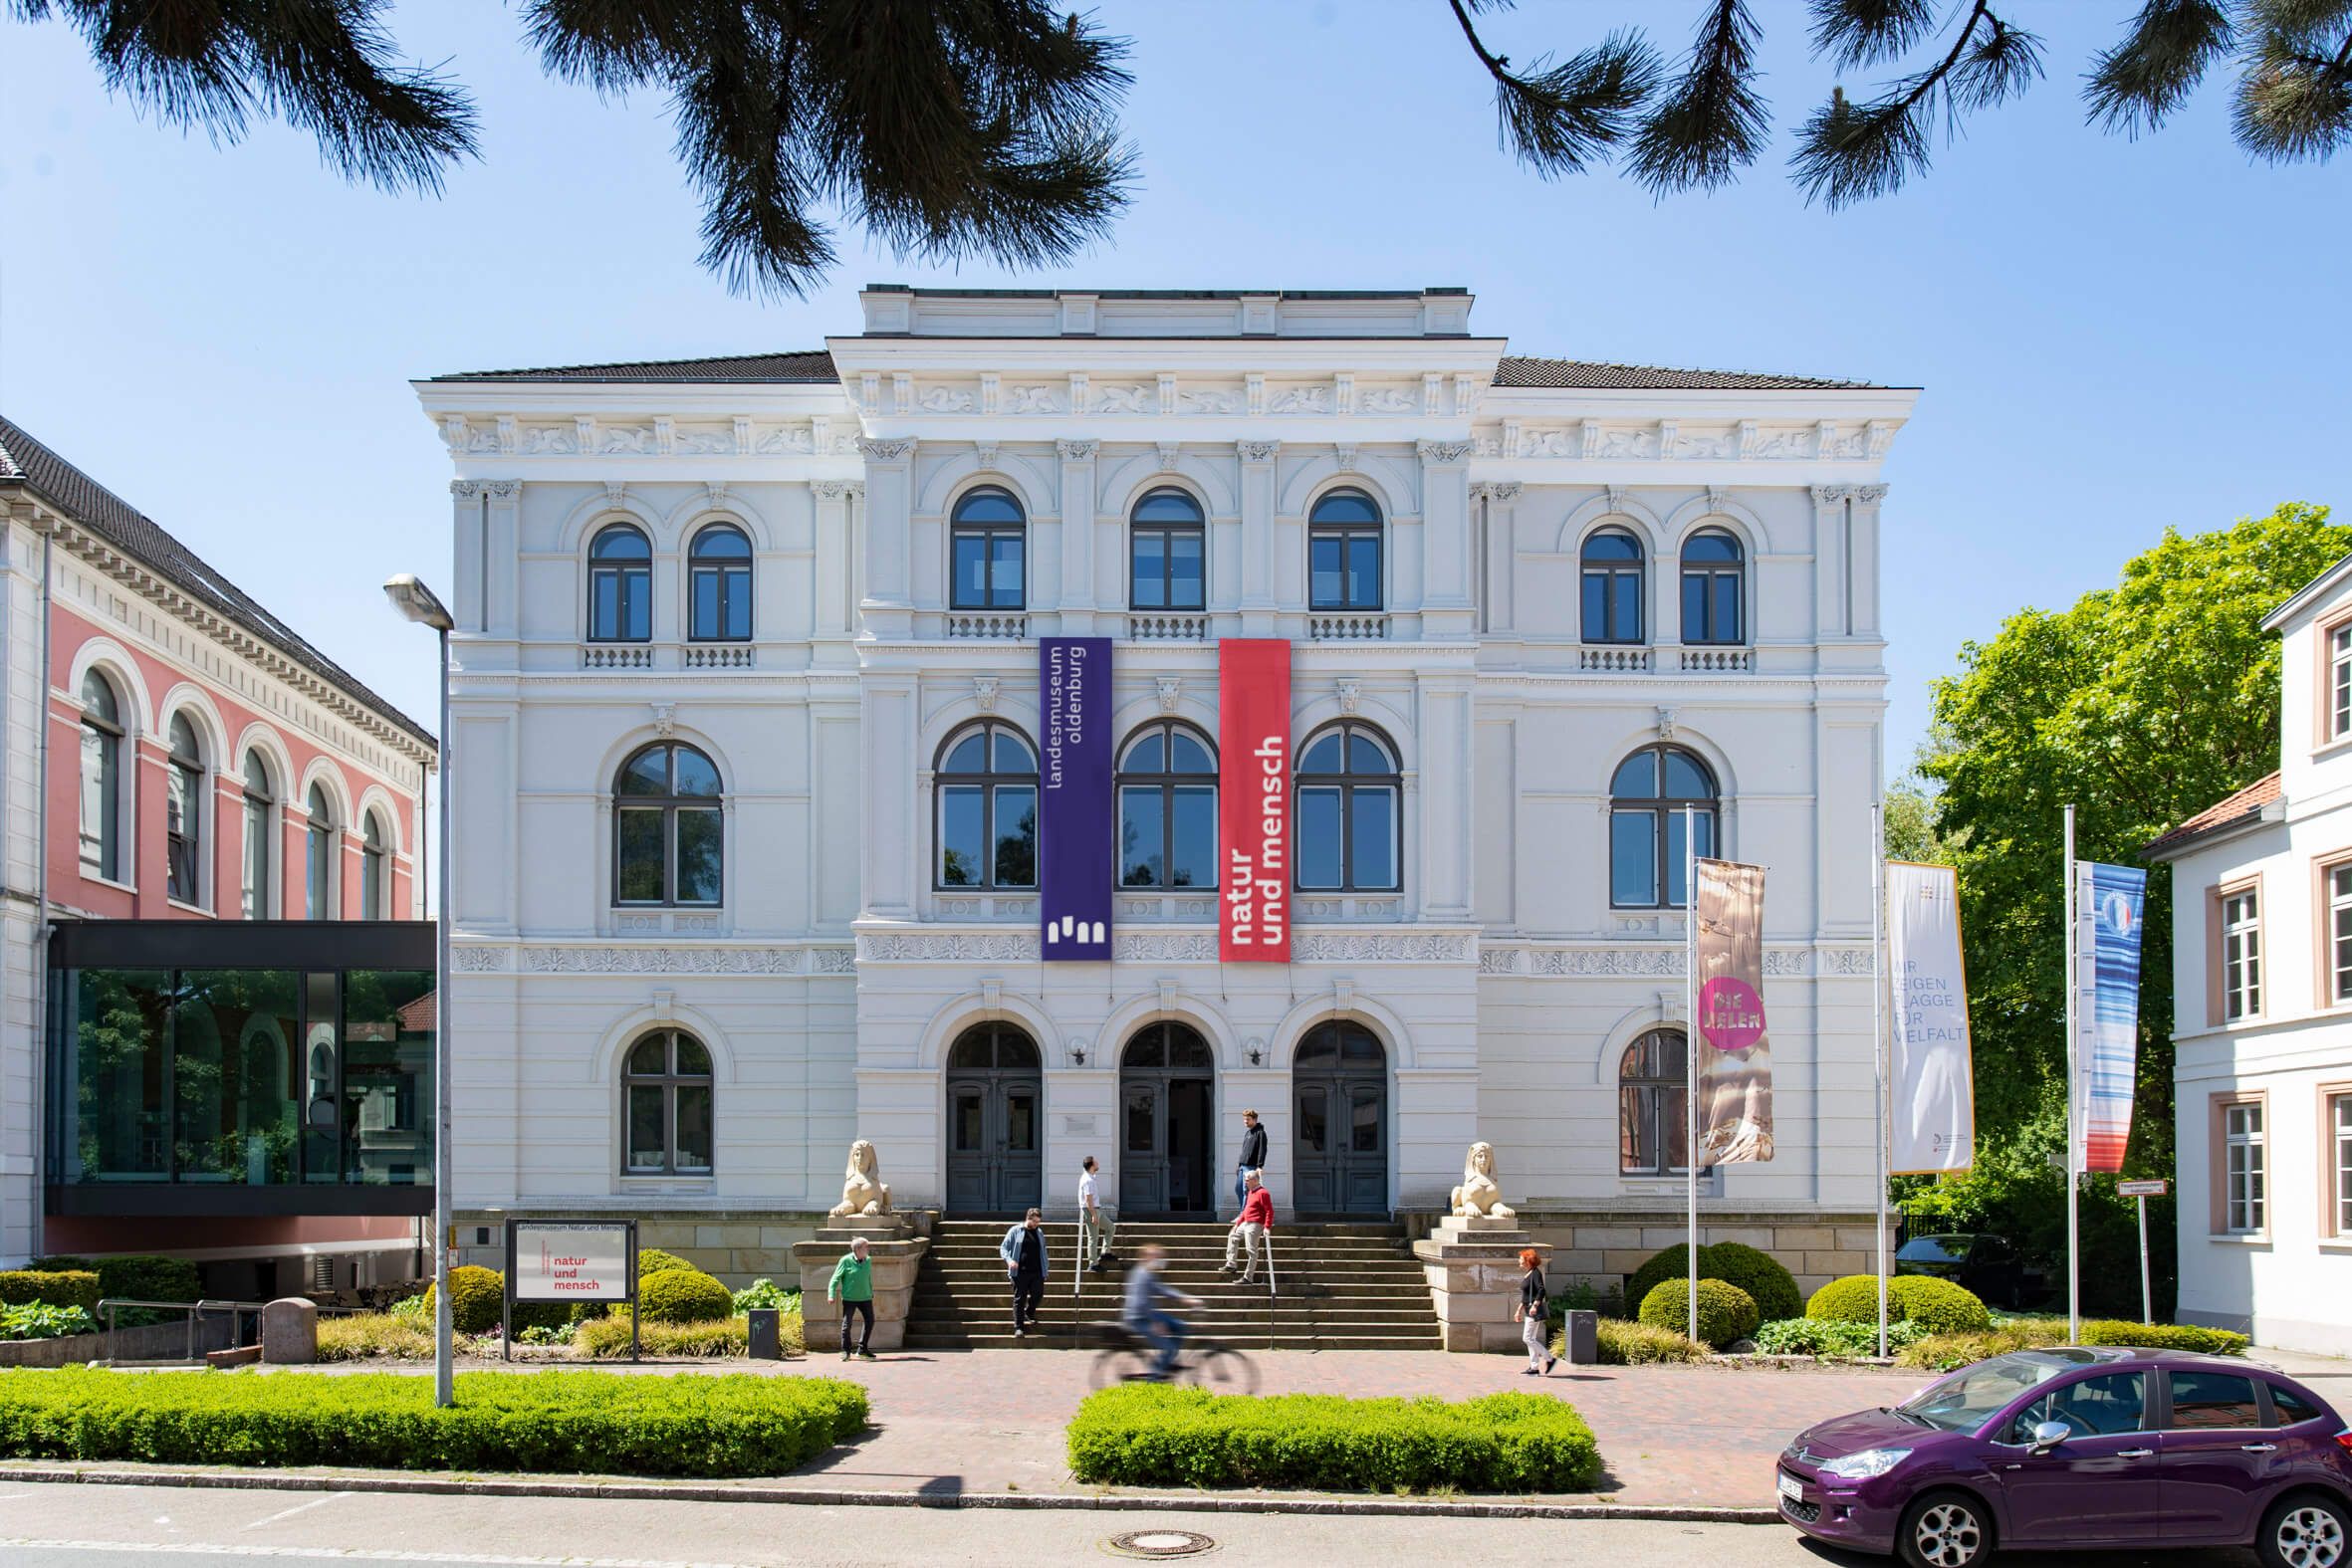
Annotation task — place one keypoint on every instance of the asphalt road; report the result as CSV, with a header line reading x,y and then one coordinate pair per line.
x,y
82,1526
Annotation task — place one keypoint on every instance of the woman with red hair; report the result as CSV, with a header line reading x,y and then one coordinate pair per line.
x,y
1534,1314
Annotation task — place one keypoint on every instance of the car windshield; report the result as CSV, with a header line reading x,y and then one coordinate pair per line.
x,y
1934,1250
1967,1398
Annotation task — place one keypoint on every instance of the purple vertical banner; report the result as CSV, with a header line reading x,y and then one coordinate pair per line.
x,y
1075,842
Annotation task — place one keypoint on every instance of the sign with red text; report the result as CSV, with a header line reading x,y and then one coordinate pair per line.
x,y
1255,836
1735,1071
574,1260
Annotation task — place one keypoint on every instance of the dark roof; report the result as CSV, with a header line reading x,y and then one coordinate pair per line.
x,y
2243,806
1519,371
25,461
792,364
815,364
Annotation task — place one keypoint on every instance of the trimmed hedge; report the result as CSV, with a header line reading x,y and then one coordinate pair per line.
x,y
683,1295
477,1296
608,1338
1772,1287
135,1276
1937,1306
1727,1313
1154,1435
578,1422
57,1287
2166,1336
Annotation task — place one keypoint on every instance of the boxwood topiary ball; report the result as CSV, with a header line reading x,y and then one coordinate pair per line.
x,y
477,1296
1727,1313
683,1295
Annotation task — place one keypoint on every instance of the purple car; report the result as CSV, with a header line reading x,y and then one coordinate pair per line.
x,y
2073,1448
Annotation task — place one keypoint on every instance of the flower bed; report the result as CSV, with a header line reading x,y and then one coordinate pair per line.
x,y
578,1422
1944,1352
1150,1435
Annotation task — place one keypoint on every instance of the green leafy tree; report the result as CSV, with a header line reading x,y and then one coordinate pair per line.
x,y
952,128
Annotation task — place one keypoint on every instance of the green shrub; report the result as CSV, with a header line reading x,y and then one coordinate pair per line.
x,y
1621,1342
767,1293
373,1336
653,1260
603,1338
578,1421
476,1298
1152,1435
57,1287
1832,1339
40,1320
1943,1352
1727,1313
136,1276
1938,1306
2166,1336
411,1307
683,1295
1734,1264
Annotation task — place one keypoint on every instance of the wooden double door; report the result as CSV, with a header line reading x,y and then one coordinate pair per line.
x,y
1339,1122
995,1111
1167,1123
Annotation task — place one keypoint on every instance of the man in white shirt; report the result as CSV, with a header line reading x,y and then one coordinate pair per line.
x,y
1093,1223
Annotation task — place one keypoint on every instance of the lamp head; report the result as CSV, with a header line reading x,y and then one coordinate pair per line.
x,y
413,600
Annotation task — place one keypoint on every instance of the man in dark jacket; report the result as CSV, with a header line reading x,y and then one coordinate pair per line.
x,y
1253,1158
1024,1252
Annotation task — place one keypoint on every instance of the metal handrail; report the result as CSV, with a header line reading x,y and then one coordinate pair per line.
x,y
192,1313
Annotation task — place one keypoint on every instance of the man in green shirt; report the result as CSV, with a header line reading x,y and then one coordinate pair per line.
x,y
853,1285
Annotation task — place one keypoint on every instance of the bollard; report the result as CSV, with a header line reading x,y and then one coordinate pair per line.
x,y
290,1332
1583,1338
767,1333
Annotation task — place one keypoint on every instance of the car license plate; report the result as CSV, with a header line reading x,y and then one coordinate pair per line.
x,y
1789,1487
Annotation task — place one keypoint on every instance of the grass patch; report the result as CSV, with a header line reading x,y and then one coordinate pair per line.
x,y
1621,1342
576,1421
602,1338
1153,1436
369,1336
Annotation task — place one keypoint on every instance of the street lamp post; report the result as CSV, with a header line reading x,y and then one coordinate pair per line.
x,y
413,600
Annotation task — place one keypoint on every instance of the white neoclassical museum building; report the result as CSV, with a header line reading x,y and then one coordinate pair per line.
x,y
754,785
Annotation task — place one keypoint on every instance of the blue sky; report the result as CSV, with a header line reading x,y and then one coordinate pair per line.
x,y
2113,337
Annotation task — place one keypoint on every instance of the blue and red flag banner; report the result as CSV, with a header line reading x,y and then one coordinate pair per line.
x,y
2108,904
1076,844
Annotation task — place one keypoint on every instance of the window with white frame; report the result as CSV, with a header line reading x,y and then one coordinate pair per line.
x,y
259,795
2339,1122
102,779
2339,932
183,813
2245,1165
2339,682
2241,955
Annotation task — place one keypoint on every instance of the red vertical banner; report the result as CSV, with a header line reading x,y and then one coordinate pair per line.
x,y
1254,800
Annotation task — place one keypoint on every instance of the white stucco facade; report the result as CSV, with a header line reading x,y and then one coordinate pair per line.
x,y
2262,1013
835,973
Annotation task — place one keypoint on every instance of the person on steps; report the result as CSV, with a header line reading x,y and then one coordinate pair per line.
x,y
852,1284
1534,1313
1253,1230
1252,1157
1093,1222
1024,1252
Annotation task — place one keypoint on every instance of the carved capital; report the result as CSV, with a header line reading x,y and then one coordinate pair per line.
x,y
830,489
1830,495
1445,451
465,489
1076,451
1257,451
502,489
984,693
1500,490
896,449
1870,493
1171,688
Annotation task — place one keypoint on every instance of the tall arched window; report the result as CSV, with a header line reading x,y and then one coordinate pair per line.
x,y
621,585
1653,1106
102,779
1344,552
1653,792
1167,547
1612,561
719,578
988,808
1168,809
665,1087
319,848
1349,793
258,836
376,861
987,538
184,813
666,826
1711,588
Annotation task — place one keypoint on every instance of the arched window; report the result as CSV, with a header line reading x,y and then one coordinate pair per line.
x,y
184,813
375,882
988,808
1167,550
1168,809
318,850
987,535
1612,561
1344,552
666,827
1653,1106
1655,790
719,576
1348,789
259,839
621,585
1712,586
102,779
665,1087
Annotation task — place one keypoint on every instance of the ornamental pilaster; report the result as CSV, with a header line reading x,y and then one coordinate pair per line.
x,y
1259,497
889,533
502,555
1863,511
1833,532
1078,535
1446,609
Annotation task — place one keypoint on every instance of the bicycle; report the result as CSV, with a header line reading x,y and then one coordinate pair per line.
x,y
1127,1357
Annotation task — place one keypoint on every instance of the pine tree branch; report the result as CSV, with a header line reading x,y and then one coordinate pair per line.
x,y
2295,99
2136,83
1712,123
1854,33
1557,119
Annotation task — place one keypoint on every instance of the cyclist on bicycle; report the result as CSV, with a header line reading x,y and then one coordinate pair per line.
x,y
1147,1310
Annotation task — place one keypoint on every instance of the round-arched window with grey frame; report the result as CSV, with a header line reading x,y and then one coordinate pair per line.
x,y
183,822
1612,573
987,536
102,779
1167,552
667,829
1344,552
719,585
666,1110
1714,578
1167,784
1349,790
621,585
1653,1107
259,795
986,793
1654,792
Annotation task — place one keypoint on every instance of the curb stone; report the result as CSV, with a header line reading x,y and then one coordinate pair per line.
x,y
690,1491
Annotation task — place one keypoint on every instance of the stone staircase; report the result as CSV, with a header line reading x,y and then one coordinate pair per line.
x,y
1341,1287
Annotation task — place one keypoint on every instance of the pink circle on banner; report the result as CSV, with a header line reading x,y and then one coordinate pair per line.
x,y
1731,1014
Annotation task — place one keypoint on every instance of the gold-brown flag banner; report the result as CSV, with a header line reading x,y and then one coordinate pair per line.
x,y
1735,1050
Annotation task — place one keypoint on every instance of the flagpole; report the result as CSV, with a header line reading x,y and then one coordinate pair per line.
x,y
1878,1036
2073,1133
1690,1150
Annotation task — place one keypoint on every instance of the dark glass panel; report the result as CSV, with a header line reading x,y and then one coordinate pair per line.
x,y
1187,579
1186,1049
647,1148
1597,606
1610,544
1004,570
1364,1110
648,773
1021,1122
1319,1049
1726,622
969,756
969,572
1151,587
323,1081
1326,568
1345,506
697,774
1017,835
1366,756
1141,838
1638,778
1323,754
1625,608
706,605
1314,1116
639,871
1319,837
963,836
694,1126
694,1058
1361,1045
1016,1049
1694,609
1012,755
1188,755
967,1118
1372,850
620,544
988,505
722,544
387,1076
1149,754
1686,780
1141,1102
2213,1402
1633,859
1193,834
1168,506
699,833
649,1057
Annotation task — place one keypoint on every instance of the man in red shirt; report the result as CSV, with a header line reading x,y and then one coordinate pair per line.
x,y
1252,1230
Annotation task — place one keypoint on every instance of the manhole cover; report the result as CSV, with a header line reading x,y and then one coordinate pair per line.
x,y
1161,1543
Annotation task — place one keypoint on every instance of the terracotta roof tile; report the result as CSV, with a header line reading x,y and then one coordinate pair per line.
x,y
2226,812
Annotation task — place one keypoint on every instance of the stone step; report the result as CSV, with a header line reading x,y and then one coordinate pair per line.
x,y
1005,1341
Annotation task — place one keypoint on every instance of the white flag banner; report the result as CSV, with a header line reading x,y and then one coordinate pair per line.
x,y
1931,1093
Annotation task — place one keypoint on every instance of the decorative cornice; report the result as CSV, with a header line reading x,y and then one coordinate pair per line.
x,y
662,958
1658,959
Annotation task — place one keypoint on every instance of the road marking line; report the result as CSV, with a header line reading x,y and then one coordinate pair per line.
x,y
347,1553
300,1507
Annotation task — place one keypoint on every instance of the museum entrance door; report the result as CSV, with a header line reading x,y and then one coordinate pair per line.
x,y
995,1087
1339,1121
1167,1123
